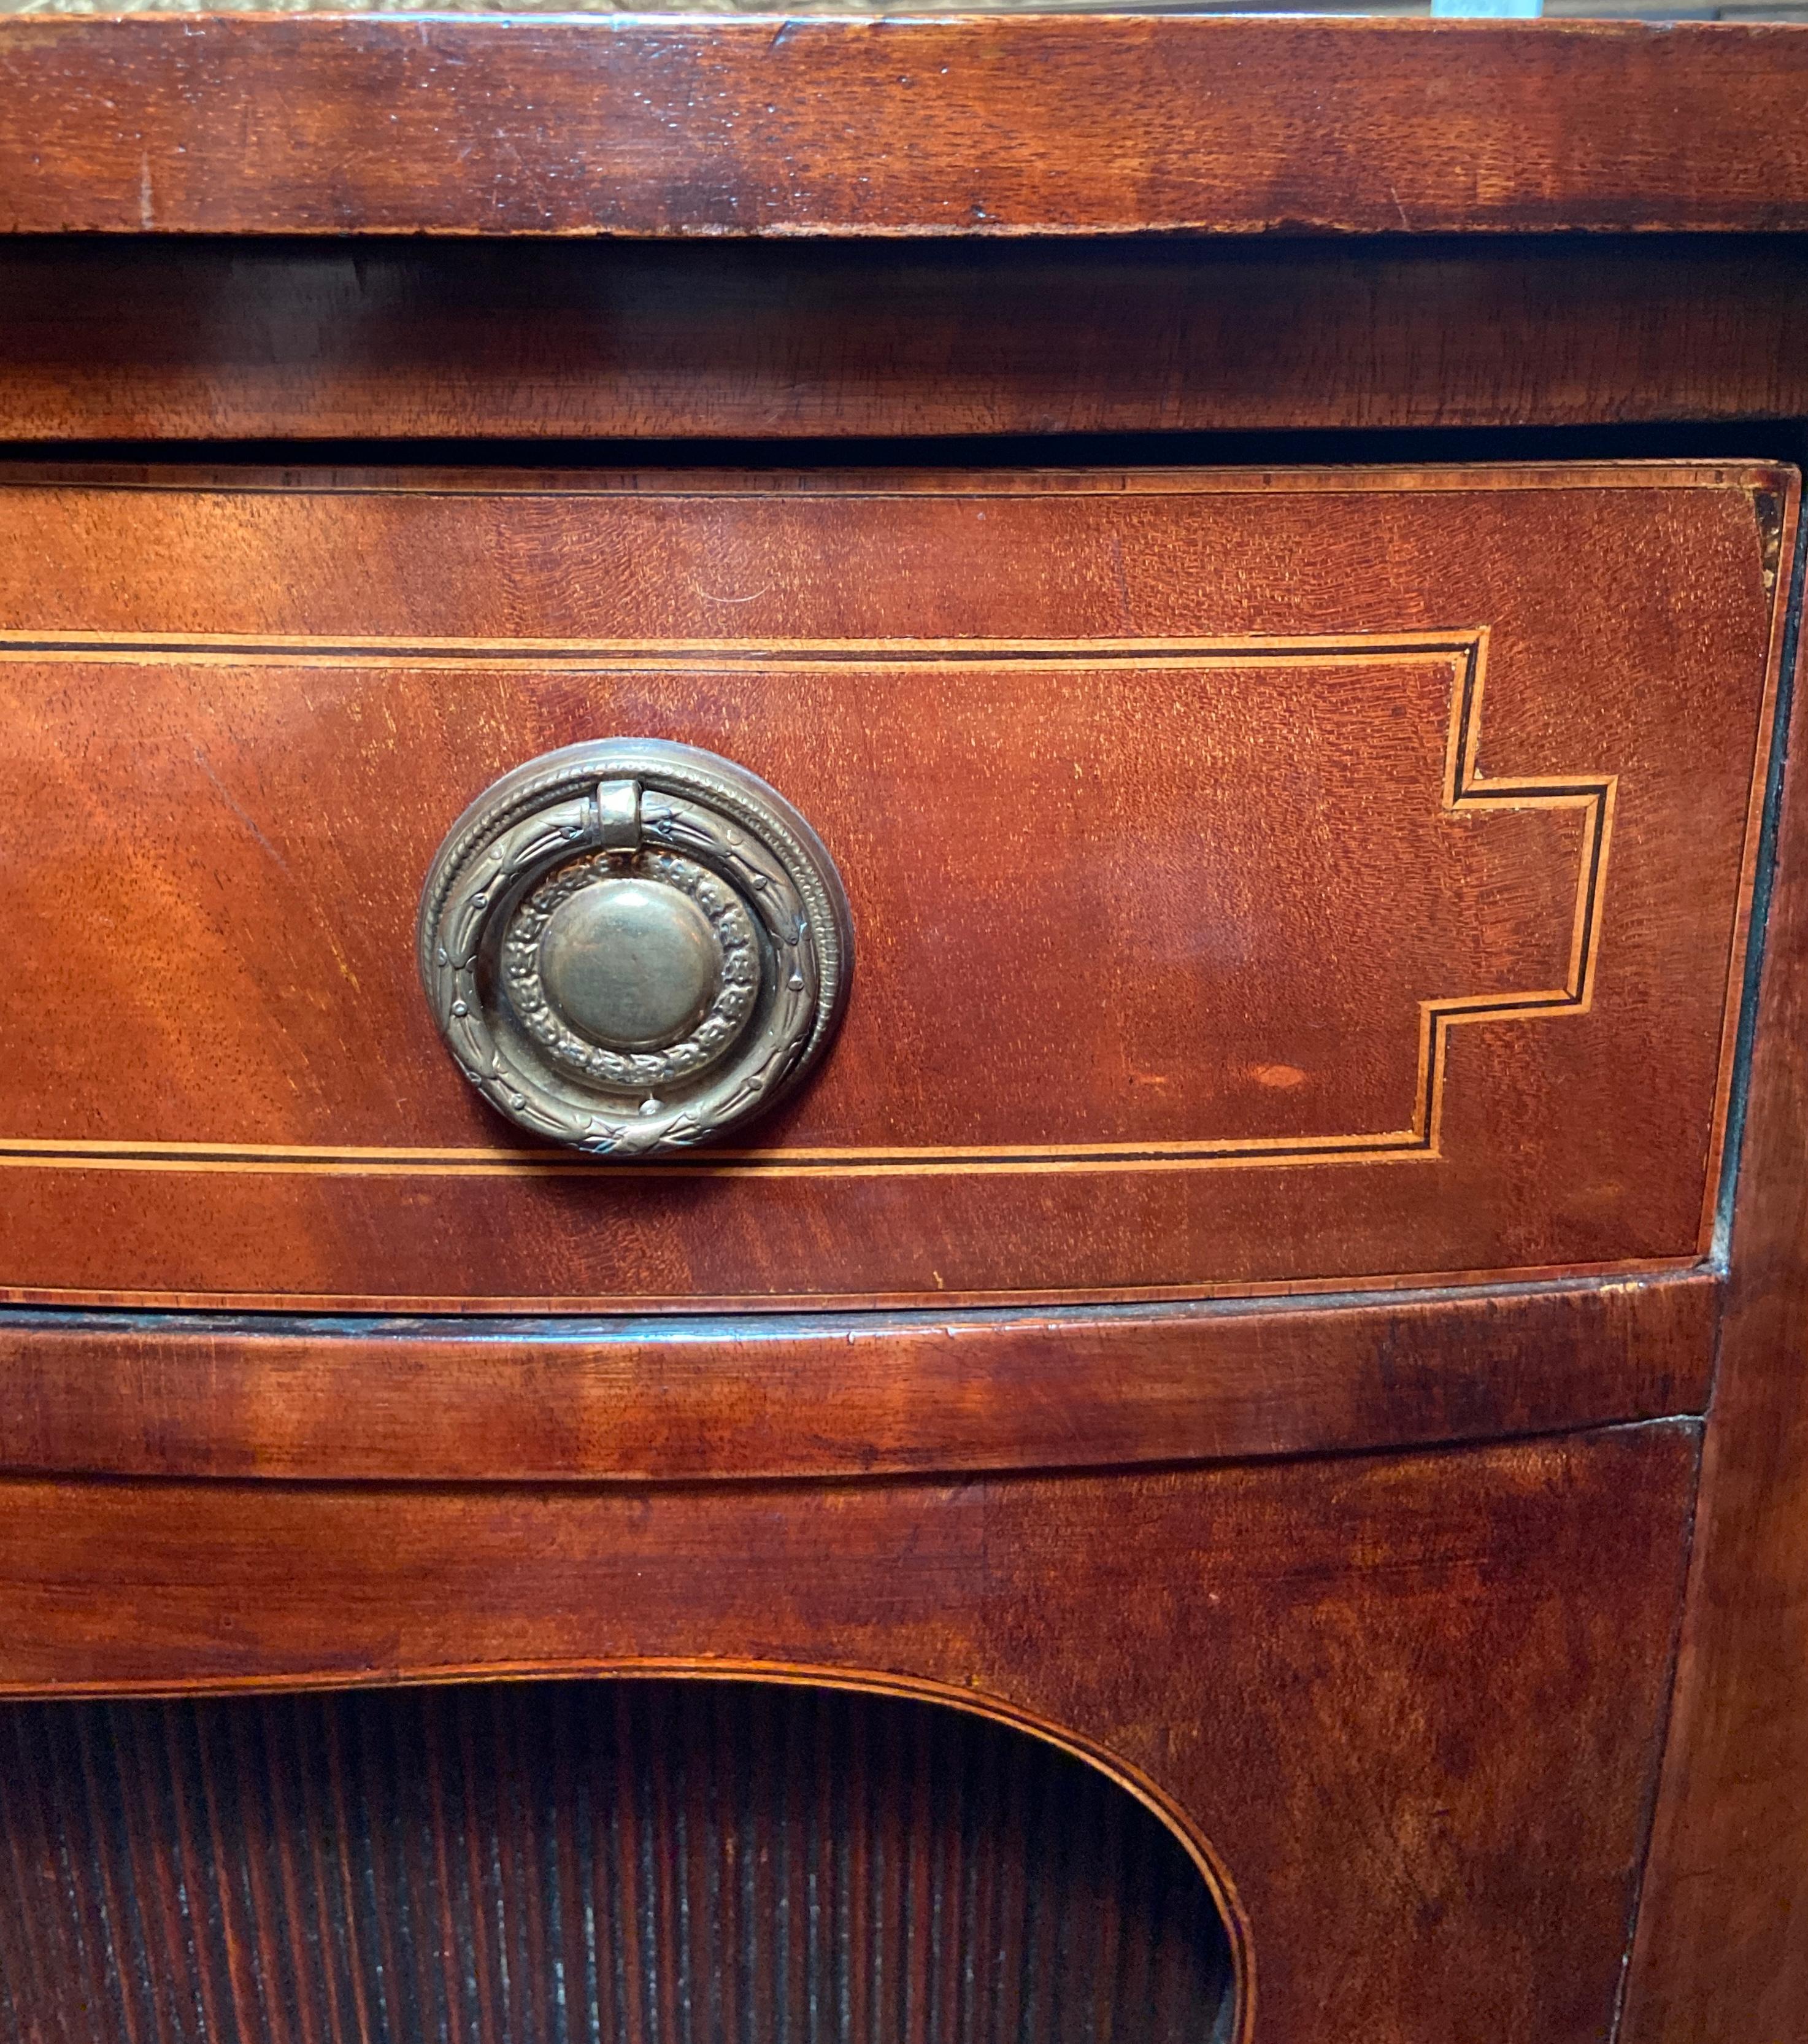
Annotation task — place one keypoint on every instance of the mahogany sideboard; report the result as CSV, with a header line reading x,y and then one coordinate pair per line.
x,y
903,1130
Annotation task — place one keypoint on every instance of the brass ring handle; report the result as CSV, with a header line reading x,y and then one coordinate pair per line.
x,y
633,946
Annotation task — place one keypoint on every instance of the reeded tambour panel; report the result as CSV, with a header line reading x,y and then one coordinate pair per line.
x,y
1262,880
645,1862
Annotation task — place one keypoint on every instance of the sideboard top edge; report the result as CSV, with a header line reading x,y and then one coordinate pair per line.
x,y
682,128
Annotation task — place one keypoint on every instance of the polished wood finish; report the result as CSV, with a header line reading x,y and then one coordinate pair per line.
x,y
990,126
1407,1709
590,1863
1720,1951
1403,1708
221,338
1216,931
845,1394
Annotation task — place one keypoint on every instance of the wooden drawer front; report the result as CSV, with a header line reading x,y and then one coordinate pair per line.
x,y
1259,880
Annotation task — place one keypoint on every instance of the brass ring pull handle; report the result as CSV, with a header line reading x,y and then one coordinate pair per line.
x,y
633,946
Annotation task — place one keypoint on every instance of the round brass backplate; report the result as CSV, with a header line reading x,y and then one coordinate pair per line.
x,y
633,947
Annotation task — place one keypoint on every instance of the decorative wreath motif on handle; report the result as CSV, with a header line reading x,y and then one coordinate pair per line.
x,y
633,947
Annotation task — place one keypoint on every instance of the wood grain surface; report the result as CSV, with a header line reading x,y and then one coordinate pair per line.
x,y
1247,895
1409,1709
1405,1712
1720,1951
182,338
698,1399
990,126
592,1863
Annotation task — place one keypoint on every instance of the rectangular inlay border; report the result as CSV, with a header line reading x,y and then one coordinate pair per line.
x,y
1465,788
